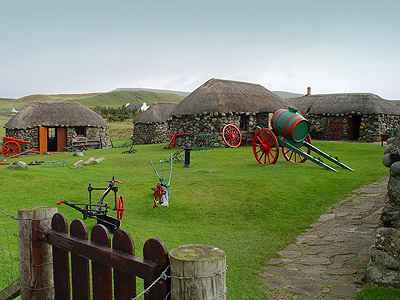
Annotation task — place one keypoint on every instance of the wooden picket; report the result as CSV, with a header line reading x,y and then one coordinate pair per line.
x,y
117,263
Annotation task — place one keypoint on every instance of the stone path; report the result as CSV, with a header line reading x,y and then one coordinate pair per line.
x,y
328,260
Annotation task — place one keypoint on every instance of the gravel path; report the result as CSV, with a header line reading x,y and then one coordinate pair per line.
x,y
328,260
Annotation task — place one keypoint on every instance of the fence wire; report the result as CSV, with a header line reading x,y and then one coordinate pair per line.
x,y
9,256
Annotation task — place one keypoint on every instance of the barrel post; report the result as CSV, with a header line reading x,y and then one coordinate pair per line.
x,y
198,272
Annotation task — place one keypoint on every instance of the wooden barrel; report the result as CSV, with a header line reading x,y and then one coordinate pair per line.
x,y
290,124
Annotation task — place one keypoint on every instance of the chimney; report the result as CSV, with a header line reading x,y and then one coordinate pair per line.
x,y
308,91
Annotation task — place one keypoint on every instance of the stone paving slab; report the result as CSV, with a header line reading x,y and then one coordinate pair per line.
x,y
328,260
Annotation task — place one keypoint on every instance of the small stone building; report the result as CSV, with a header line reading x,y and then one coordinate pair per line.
x,y
220,102
51,126
348,116
151,126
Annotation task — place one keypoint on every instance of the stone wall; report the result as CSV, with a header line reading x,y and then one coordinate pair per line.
x,y
372,126
384,266
322,122
30,135
151,133
194,123
92,133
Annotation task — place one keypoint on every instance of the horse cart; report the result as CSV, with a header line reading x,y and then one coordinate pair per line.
x,y
12,148
290,131
99,210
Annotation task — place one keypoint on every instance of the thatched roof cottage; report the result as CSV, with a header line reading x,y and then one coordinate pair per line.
x,y
151,126
51,126
220,102
350,116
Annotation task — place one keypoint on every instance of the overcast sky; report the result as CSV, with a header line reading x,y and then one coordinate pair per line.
x,y
54,47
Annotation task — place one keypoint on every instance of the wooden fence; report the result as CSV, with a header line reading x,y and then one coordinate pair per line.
x,y
114,266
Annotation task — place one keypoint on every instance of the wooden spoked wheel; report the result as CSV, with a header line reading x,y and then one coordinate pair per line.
x,y
11,148
120,208
204,138
265,147
292,156
232,135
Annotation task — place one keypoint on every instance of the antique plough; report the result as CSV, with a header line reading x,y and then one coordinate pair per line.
x,y
12,148
162,193
205,137
293,137
99,210
202,140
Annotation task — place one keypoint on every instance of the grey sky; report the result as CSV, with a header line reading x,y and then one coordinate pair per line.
x,y
94,46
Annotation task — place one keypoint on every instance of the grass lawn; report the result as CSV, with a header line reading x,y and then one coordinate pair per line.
x,y
226,199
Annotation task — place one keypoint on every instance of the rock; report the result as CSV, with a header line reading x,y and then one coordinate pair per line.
x,y
387,149
395,169
394,190
18,165
79,166
383,258
390,216
386,160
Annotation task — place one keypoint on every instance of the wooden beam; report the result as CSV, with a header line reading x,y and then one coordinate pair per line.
x,y
12,291
143,268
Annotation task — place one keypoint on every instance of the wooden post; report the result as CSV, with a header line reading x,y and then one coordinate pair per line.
x,y
36,261
198,272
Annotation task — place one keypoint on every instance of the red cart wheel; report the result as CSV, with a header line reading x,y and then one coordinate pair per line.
x,y
232,135
291,156
11,148
120,208
265,147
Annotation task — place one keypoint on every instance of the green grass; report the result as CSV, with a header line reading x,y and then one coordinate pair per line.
x,y
372,292
248,210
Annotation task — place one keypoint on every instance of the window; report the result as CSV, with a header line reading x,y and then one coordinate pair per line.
x,y
51,133
80,131
243,122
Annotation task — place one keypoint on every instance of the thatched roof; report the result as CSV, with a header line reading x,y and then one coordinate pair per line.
x,y
158,112
225,96
351,103
55,114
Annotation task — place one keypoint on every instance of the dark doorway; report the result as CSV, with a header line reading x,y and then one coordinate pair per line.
x,y
51,139
355,123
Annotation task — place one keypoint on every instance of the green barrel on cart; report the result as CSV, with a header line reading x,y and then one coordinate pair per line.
x,y
290,124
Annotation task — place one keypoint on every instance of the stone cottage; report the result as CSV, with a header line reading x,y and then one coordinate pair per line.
x,y
51,126
348,116
151,126
220,102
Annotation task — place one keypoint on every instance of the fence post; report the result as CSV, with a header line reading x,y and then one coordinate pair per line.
x,y
36,261
198,272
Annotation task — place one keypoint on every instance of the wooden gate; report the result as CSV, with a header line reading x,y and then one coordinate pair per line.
x,y
104,257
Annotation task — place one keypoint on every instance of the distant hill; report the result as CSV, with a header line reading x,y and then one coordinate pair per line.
x,y
112,99
286,95
154,90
